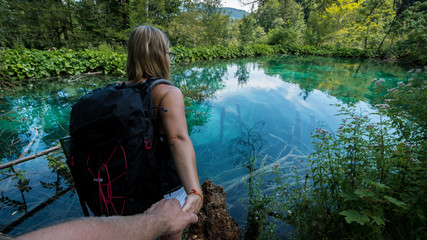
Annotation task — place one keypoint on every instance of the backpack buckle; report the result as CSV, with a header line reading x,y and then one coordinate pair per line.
x,y
148,143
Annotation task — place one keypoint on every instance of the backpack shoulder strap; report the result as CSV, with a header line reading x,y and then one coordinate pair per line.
x,y
152,82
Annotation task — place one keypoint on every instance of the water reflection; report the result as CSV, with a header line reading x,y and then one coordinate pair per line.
x,y
249,145
290,95
23,186
242,73
22,198
346,79
197,84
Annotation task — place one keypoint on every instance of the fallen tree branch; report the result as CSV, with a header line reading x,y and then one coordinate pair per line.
x,y
29,145
4,114
80,76
24,159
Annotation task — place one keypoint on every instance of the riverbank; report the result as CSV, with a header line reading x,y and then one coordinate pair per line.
x,y
19,64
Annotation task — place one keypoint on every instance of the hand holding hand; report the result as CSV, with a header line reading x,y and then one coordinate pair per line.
x,y
175,218
193,203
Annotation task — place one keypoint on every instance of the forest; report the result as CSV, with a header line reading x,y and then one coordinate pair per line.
x,y
394,29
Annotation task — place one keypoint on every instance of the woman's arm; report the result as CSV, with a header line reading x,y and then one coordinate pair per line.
x,y
175,125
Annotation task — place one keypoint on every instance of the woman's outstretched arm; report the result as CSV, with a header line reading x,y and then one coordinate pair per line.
x,y
175,126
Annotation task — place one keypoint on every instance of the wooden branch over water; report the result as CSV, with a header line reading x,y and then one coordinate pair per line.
x,y
24,159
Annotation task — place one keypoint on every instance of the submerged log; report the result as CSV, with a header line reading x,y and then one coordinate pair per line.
x,y
29,214
24,159
221,127
30,144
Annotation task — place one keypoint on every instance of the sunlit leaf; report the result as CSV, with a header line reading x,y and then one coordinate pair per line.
x,y
354,216
395,201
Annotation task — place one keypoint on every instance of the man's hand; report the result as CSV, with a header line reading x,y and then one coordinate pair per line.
x,y
174,217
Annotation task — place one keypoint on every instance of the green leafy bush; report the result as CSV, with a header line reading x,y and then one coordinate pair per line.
x,y
282,36
406,103
367,180
332,51
21,64
184,54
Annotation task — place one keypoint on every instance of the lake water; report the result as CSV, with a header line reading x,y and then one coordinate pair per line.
x,y
276,101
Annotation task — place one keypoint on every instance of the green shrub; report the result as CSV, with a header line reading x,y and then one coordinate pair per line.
x,y
184,54
19,64
331,51
406,105
367,180
282,36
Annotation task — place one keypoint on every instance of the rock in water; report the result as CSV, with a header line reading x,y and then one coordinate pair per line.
x,y
214,221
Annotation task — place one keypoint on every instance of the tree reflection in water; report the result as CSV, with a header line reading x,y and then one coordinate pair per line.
x,y
22,210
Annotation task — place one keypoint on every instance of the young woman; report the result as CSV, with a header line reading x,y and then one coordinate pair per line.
x,y
149,56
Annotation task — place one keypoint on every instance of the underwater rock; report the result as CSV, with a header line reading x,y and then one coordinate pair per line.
x,y
214,221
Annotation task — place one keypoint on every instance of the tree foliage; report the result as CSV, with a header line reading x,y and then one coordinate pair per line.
x,y
45,24
413,31
395,26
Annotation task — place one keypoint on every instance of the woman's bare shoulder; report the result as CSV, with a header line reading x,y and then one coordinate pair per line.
x,y
162,91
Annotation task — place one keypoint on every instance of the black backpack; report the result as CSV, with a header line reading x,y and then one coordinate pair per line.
x,y
113,141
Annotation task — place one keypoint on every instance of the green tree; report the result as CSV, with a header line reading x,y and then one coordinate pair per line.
x,y
293,17
267,13
89,24
260,35
6,23
246,29
343,15
308,7
199,24
156,12
318,28
38,23
374,17
412,27
234,33
289,27
114,20
186,28
214,22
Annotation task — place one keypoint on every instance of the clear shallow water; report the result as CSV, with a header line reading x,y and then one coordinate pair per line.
x,y
287,96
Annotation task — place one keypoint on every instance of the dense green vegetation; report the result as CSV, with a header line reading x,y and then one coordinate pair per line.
x,y
23,63
19,64
391,29
367,180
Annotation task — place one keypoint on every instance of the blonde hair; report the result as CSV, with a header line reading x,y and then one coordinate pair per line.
x,y
147,55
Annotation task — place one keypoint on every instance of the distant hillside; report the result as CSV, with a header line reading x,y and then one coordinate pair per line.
x,y
235,13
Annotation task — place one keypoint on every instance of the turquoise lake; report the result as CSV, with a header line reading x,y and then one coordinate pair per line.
x,y
280,100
